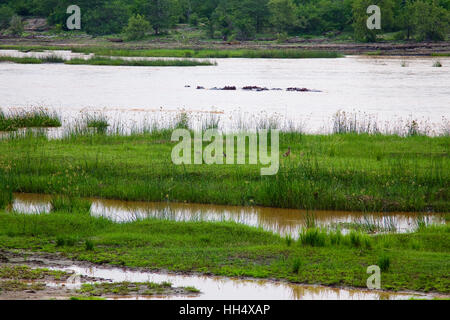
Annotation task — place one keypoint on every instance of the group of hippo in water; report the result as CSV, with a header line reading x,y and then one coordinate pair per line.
x,y
256,88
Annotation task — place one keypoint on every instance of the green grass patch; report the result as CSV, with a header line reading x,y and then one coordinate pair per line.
x,y
38,117
337,172
189,53
105,61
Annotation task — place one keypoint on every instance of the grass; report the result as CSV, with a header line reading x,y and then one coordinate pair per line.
x,y
105,61
99,122
437,64
441,54
190,53
27,273
37,117
6,197
384,262
70,204
236,250
131,288
338,172
21,60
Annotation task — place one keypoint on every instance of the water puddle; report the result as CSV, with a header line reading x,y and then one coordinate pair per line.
x,y
280,221
222,288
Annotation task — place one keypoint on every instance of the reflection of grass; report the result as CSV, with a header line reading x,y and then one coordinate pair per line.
x,y
236,250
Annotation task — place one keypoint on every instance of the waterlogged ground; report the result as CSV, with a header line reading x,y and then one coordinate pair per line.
x,y
60,282
281,221
388,88
31,276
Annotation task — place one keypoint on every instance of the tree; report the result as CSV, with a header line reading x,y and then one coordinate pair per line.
x,y
360,16
16,25
109,18
406,18
160,13
431,21
137,27
283,16
6,13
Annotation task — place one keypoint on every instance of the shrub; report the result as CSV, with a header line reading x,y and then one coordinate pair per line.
x,y
193,19
137,27
16,25
6,13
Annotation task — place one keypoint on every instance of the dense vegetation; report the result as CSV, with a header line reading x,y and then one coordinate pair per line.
x,y
240,19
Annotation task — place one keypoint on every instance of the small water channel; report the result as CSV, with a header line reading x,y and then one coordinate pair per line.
x,y
280,221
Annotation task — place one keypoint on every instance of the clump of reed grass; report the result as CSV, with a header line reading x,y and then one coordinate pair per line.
x,y
384,262
99,122
35,118
70,204
437,64
182,121
288,239
313,237
317,237
296,265
89,245
6,198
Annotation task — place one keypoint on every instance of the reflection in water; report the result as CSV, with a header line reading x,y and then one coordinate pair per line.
x,y
221,288
281,221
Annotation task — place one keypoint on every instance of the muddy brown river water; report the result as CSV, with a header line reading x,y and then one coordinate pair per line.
x,y
387,88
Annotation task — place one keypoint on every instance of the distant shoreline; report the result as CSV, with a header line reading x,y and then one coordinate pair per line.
x,y
347,48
